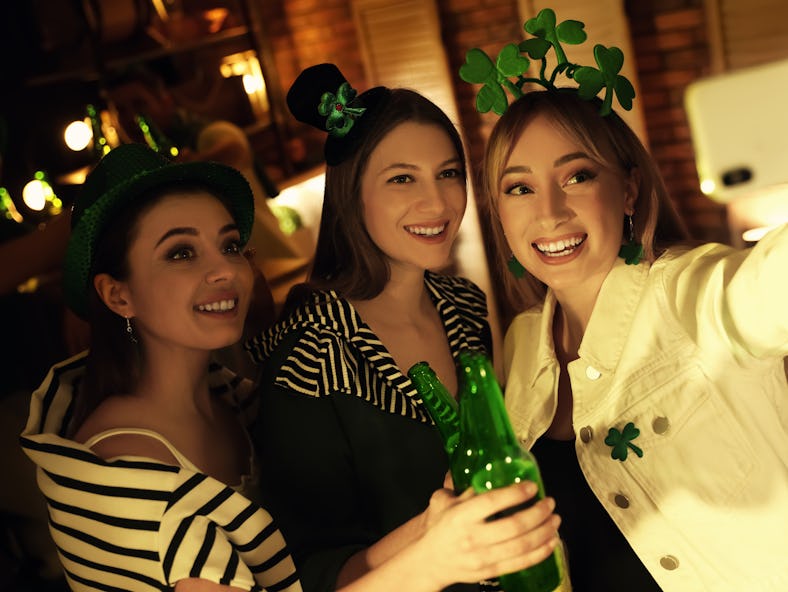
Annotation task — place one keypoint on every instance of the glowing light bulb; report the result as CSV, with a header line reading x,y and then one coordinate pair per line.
x,y
252,83
34,195
77,135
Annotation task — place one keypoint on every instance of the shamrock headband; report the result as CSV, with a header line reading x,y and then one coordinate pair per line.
x,y
322,98
513,62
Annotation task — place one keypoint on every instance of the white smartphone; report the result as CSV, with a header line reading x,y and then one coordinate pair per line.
x,y
739,127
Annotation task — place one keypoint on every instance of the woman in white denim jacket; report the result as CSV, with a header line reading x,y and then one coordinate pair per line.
x,y
652,390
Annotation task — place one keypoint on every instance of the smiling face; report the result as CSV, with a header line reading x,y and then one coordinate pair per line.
x,y
413,194
561,211
189,284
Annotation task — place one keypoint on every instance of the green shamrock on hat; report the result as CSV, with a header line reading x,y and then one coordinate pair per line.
x,y
336,107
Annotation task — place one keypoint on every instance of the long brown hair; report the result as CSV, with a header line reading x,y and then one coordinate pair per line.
x,y
610,141
346,258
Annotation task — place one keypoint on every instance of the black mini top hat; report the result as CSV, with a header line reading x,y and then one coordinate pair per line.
x,y
123,175
323,98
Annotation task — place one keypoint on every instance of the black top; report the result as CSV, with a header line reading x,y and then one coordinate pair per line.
x,y
600,558
348,452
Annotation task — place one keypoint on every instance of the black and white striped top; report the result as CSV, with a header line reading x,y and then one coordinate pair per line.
x,y
338,353
137,524
342,433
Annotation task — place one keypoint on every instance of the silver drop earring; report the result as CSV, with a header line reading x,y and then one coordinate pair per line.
x,y
130,330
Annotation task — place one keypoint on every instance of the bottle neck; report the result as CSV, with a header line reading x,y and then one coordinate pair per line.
x,y
483,416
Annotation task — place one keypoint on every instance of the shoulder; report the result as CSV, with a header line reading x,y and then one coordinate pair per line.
x,y
525,325
134,445
121,427
461,291
323,317
310,351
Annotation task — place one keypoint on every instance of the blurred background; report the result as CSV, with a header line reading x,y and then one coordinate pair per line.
x,y
81,76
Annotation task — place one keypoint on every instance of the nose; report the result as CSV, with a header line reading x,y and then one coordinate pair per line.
x,y
553,209
432,199
219,268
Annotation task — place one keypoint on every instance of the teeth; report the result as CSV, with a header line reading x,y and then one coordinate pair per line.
x,y
426,230
560,247
220,306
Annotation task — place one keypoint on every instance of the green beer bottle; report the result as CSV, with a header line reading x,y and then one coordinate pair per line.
x,y
444,410
441,406
490,455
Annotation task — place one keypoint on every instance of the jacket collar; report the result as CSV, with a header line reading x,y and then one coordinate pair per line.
x,y
608,327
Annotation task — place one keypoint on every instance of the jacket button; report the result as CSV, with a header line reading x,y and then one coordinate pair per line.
x,y
592,373
586,434
669,562
621,500
660,425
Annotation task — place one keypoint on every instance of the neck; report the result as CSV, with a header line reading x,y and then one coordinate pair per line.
x,y
573,312
176,379
404,299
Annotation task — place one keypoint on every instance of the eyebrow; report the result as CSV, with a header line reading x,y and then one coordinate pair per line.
x,y
190,231
558,162
413,167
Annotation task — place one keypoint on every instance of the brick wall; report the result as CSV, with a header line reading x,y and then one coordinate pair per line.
x,y
671,50
670,44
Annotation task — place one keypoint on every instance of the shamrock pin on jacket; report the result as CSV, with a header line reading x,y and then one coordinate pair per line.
x,y
621,442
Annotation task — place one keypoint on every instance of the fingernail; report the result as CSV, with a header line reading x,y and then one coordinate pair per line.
x,y
529,487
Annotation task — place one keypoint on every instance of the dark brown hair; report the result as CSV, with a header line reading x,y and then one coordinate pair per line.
x,y
114,362
346,258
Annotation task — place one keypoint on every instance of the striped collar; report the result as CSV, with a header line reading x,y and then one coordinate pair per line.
x,y
339,353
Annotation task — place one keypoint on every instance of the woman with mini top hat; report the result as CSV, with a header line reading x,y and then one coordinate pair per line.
x,y
351,454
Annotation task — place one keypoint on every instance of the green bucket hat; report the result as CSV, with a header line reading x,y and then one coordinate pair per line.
x,y
122,175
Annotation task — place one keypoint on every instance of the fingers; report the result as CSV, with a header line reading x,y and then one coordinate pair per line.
x,y
525,529
499,500
504,561
519,539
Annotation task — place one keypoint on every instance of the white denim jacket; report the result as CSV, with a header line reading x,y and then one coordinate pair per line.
x,y
690,350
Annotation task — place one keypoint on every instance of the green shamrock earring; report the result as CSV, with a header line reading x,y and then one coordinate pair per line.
x,y
631,252
515,267
622,441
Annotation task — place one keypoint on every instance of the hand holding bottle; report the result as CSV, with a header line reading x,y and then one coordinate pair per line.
x,y
484,453
461,544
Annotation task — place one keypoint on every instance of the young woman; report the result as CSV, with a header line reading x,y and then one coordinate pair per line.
x,y
652,390
146,469
350,452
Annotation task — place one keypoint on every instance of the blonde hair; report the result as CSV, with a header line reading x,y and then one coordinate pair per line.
x,y
610,141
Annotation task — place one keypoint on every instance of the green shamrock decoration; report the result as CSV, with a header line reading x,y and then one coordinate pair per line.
x,y
620,441
631,252
590,80
547,34
340,115
515,267
479,69
512,63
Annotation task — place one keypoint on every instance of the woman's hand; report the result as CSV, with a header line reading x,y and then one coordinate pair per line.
x,y
461,545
